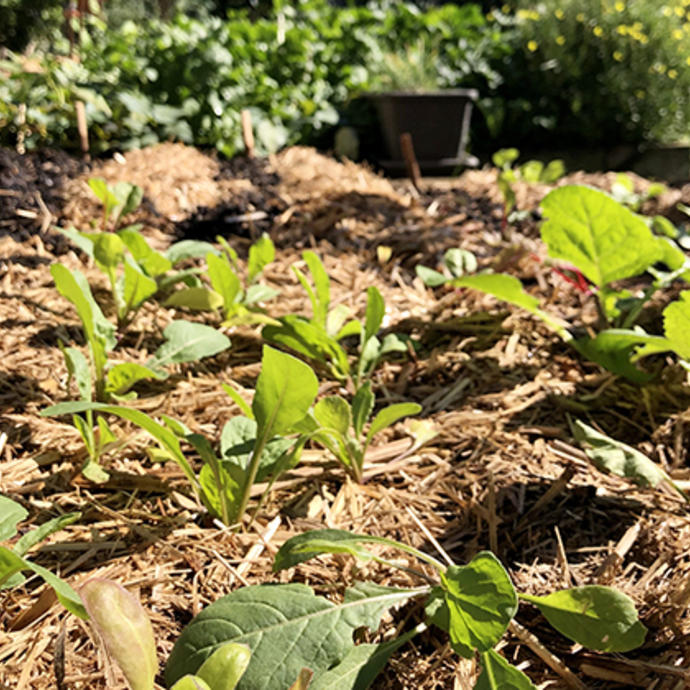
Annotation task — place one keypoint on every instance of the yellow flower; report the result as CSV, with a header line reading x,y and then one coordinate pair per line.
x,y
532,46
687,61
661,69
619,6
598,31
560,40
642,39
666,11
581,17
559,14
677,34
672,74
679,11
639,94
622,29
490,17
505,9
618,56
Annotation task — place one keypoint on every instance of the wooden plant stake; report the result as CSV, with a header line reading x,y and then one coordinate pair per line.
x,y
248,133
411,164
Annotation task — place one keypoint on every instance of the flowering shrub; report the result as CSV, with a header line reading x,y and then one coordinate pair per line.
x,y
597,71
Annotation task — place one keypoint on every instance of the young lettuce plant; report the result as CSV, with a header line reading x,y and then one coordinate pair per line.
x,y
13,561
254,447
339,426
319,337
604,242
473,603
239,303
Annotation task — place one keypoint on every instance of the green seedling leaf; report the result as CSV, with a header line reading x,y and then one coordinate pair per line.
x,y
36,536
376,310
531,171
481,601
460,262
333,412
122,377
422,431
597,235
616,348
285,390
163,435
238,400
553,171
195,298
430,277
104,194
677,324
153,263
191,683
108,251
362,407
368,357
259,293
78,369
389,416
130,196
617,458
393,342
224,280
11,514
188,249
596,617
221,487
336,319
124,628
261,253
11,563
504,158
268,618
224,668
188,342
309,340
322,284
138,287
82,240
498,674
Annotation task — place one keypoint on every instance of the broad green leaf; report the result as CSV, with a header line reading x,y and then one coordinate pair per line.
x,y
498,674
187,341
108,251
615,348
287,627
309,340
259,293
125,629
195,298
223,280
37,535
390,415
78,369
238,400
11,563
167,439
285,390
11,514
322,284
351,328
460,262
138,287
481,602
596,617
188,249
122,377
224,668
596,234
190,682
376,310
333,412
430,277
153,263
358,670
618,458
362,407
106,434
677,324
261,253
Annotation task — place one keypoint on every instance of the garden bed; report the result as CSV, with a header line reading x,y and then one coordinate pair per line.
x,y
503,474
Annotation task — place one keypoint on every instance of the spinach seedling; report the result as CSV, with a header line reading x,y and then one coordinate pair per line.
x,y
339,426
473,603
319,337
254,448
13,561
239,303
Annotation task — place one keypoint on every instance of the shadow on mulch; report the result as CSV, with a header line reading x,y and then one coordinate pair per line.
x,y
16,391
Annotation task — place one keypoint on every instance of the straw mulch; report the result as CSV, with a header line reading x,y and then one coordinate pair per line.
x,y
502,474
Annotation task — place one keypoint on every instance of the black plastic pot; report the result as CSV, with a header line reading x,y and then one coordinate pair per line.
x,y
438,122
